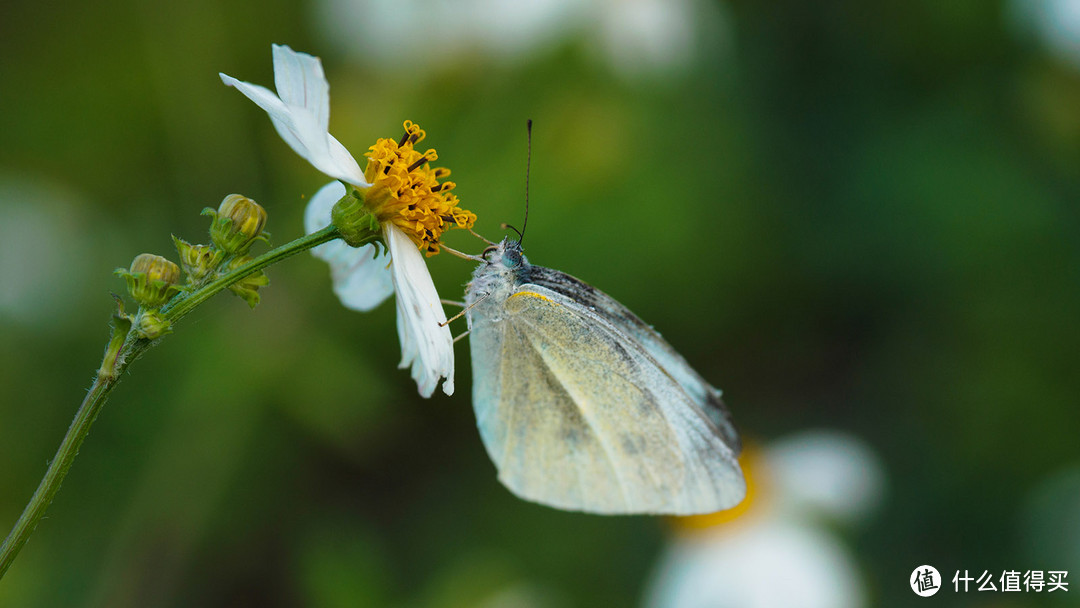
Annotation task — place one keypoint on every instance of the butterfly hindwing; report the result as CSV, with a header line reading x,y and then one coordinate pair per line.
x,y
579,415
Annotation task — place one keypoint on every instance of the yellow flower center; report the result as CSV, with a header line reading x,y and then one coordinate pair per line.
x,y
406,191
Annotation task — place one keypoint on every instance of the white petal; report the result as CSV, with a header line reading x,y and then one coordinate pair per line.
x,y
317,214
301,83
361,280
302,112
425,345
828,473
735,565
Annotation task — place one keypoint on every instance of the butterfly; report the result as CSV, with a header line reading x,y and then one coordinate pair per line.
x,y
582,406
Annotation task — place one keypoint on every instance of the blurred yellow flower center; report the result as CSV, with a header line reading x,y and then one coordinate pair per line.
x,y
751,461
406,191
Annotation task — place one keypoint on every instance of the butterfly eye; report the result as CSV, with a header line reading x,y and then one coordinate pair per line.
x,y
511,258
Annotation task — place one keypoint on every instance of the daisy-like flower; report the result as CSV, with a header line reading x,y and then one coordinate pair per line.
x,y
800,490
398,186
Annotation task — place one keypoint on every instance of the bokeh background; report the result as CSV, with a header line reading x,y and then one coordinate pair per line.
x,y
853,218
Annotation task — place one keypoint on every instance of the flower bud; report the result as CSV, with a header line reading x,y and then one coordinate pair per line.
x,y
198,261
353,220
237,223
151,280
248,287
151,325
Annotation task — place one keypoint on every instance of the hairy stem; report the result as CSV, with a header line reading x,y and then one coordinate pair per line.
x,y
124,347
91,405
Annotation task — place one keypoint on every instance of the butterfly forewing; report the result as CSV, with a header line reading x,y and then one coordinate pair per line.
x,y
585,420
583,406
705,395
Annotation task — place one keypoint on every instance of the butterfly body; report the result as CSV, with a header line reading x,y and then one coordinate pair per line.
x,y
583,406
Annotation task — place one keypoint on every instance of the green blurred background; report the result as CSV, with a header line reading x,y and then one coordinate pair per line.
x,y
854,218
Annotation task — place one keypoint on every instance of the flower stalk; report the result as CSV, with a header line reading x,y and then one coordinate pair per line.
x,y
126,344
399,199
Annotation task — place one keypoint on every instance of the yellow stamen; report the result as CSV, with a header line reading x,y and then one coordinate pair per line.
x,y
406,190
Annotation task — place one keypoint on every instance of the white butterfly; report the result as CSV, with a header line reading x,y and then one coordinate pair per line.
x,y
583,406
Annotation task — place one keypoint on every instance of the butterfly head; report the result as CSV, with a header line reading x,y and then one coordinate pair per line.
x,y
506,256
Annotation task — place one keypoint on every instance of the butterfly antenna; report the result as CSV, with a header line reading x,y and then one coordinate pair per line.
x,y
506,226
528,166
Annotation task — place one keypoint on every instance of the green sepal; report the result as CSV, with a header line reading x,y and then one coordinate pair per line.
x,y
380,247
247,288
198,261
120,312
121,325
354,222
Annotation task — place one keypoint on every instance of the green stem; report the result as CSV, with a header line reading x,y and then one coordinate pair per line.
x,y
124,347
58,468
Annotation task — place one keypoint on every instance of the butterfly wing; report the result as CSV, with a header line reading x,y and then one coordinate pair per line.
x,y
577,415
704,395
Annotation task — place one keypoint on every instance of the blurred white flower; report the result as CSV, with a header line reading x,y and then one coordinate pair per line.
x,y
633,38
44,262
776,550
300,111
1055,22
1050,528
824,475
641,37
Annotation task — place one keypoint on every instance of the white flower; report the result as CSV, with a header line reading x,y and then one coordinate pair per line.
x,y
363,282
1055,22
635,39
300,111
778,548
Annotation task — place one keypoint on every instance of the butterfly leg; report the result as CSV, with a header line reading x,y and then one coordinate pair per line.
x,y
462,313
